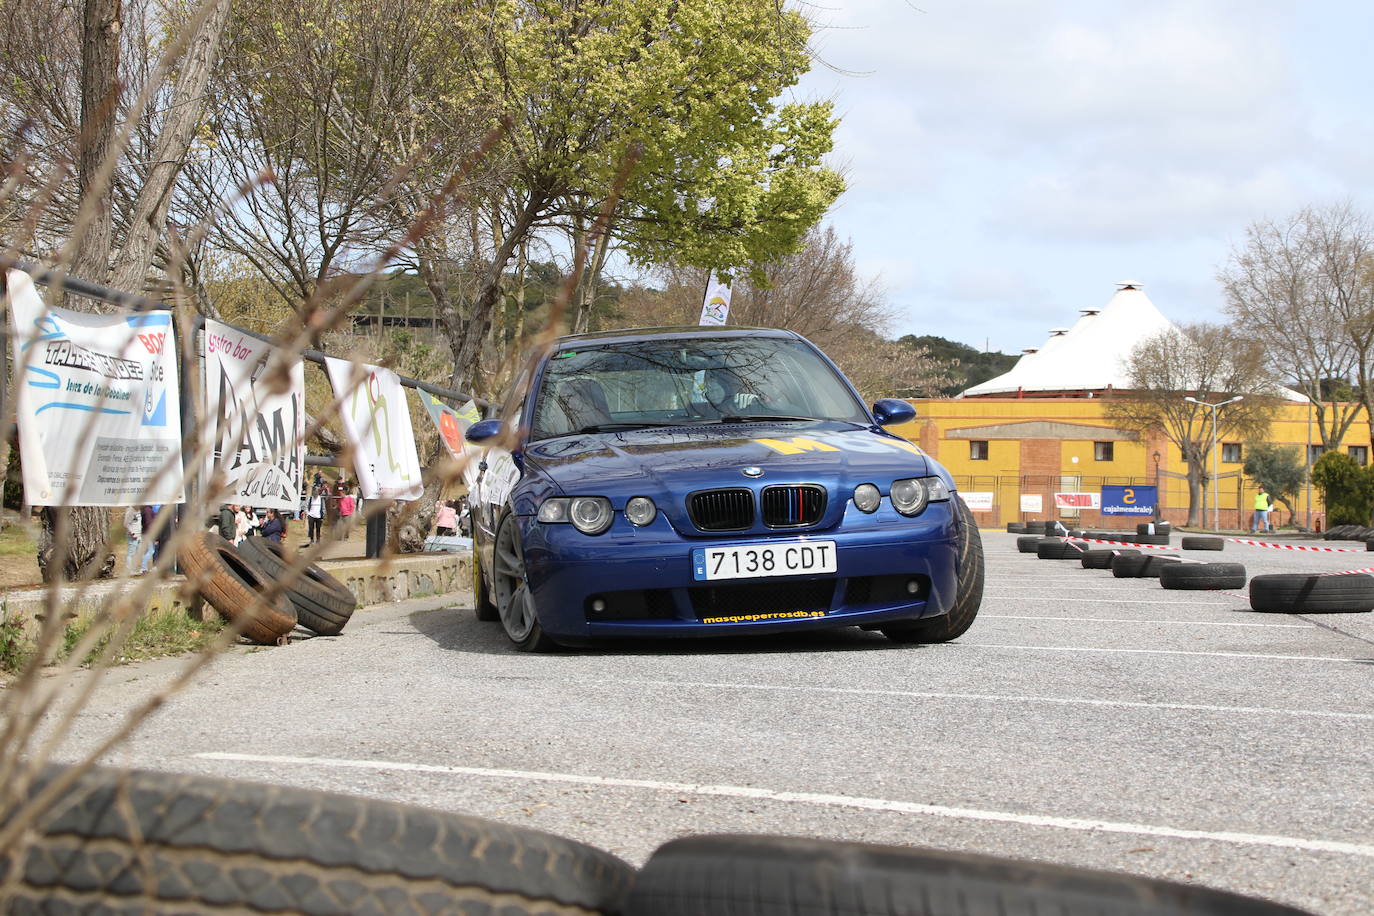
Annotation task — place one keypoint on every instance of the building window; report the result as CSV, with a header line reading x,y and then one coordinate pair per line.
x,y
1314,452
1103,451
977,450
1360,453
1230,453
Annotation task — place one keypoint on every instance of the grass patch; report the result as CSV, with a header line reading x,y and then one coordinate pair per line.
x,y
17,541
154,635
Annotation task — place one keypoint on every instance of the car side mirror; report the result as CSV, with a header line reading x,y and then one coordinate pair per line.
x,y
483,430
888,411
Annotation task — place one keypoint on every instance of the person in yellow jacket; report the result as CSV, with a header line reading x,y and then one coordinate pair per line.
x,y
1260,520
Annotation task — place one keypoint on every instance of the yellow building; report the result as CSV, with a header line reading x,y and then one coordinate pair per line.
x,y
1036,442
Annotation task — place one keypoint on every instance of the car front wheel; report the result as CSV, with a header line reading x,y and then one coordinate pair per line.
x,y
511,589
968,594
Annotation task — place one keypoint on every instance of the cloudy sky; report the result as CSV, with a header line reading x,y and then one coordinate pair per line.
x,y
1008,161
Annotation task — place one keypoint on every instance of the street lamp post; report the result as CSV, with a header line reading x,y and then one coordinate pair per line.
x,y
1159,495
1216,509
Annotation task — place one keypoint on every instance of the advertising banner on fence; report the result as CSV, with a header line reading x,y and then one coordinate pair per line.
x,y
1032,502
96,402
376,418
1118,500
256,436
1077,500
977,502
452,424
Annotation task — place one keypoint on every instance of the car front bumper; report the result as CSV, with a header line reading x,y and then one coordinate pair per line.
x,y
889,568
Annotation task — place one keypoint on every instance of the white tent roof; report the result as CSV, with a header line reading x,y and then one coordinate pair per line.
x,y
1092,355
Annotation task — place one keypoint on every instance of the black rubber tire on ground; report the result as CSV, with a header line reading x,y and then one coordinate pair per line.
x,y
1199,542
157,843
1102,559
234,586
1297,593
1075,532
1141,566
323,604
968,592
1202,576
1027,543
1059,549
1369,544
784,876
1161,540
1016,527
1153,528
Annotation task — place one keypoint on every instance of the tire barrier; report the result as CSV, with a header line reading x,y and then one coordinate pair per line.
x,y
1028,542
1202,576
235,588
782,876
1141,566
1199,542
159,843
1156,540
323,604
1102,559
1015,527
1059,549
1293,593
1154,528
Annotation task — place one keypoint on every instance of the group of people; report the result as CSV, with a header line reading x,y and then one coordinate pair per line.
x,y
452,517
237,523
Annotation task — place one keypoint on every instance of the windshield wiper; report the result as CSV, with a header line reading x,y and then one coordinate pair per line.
x,y
765,417
615,427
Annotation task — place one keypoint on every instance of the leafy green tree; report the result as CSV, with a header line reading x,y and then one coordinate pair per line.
x,y
1347,489
968,367
1279,469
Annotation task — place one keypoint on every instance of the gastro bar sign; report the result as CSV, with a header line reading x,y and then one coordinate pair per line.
x,y
1075,500
1118,500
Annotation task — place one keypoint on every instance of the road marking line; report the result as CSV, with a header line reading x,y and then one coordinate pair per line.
x,y
816,798
1292,658
1105,598
1191,623
991,697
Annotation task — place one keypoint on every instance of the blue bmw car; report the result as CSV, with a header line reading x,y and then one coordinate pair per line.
x,y
708,481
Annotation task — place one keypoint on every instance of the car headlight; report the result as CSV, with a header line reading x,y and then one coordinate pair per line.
x,y
554,511
936,489
867,497
909,495
640,510
590,514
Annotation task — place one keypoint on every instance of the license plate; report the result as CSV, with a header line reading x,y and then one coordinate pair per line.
x,y
796,558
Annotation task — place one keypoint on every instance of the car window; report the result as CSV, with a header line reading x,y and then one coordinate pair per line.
x,y
703,380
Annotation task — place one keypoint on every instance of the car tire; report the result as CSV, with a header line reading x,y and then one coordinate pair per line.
x,y
515,603
1028,542
323,604
968,593
1159,540
786,876
1015,527
482,606
158,843
1057,549
1102,559
1153,528
1202,576
1197,542
235,588
1352,593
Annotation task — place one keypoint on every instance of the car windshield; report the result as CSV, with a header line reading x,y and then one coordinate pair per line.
x,y
605,387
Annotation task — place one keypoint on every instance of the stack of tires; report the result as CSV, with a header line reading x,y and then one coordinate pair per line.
x,y
263,592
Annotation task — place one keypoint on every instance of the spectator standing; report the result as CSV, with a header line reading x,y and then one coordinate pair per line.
x,y
227,520
314,511
1260,521
346,505
446,519
464,517
133,527
242,525
273,528
150,542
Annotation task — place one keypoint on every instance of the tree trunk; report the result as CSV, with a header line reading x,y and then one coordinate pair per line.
x,y
84,530
1195,473
100,30
411,522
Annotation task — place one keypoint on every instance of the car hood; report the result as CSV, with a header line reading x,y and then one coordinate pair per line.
x,y
666,464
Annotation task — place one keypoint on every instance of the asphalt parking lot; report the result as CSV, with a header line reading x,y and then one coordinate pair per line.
x,y
1083,719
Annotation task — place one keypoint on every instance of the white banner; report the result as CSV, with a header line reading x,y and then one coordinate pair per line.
x,y
977,502
1032,502
256,436
715,305
376,418
97,404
